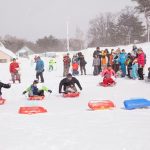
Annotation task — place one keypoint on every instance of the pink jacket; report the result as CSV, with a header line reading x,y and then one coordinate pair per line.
x,y
141,59
108,73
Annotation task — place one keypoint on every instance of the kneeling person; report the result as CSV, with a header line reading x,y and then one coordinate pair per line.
x,y
33,90
68,84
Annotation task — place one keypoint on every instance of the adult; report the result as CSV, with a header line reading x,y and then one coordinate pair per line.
x,y
68,84
66,63
14,70
39,69
82,63
98,53
122,60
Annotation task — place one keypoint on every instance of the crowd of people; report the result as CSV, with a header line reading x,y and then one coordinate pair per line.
x,y
116,63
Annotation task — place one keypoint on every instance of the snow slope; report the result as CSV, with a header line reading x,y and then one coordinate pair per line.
x,y
69,124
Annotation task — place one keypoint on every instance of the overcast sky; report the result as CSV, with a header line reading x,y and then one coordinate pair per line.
x,y
33,19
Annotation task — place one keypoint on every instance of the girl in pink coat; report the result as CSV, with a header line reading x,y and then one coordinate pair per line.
x,y
107,74
141,63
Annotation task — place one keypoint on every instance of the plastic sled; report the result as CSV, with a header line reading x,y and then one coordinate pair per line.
x,y
32,110
76,94
2,101
136,103
36,98
101,104
107,85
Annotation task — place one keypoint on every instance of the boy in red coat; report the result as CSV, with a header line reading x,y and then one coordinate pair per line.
x,y
107,74
14,68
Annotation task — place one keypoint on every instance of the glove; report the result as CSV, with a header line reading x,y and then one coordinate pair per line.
x,y
81,89
24,92
49,91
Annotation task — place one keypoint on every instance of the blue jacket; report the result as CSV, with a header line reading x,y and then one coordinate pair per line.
x,y
39,66
122,58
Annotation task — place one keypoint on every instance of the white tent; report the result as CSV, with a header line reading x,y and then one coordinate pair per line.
x,y
5,54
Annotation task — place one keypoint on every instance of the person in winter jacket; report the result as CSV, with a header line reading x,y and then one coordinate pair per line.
x,y
122,60
33,90
108,73
75,67
3,85
39,69
141,63
66,62
82,64
98,53
96,64
14,70
52,62
116,60
134,72
128,63
75,58
148,73
104,59
68,84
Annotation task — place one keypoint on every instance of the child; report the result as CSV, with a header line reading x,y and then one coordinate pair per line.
x,y
52,62
75,67
14,70
107,74
3,85
33,89
119,73
96,64
134,72
148,78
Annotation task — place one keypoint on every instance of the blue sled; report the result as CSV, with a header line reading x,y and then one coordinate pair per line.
x,y
136,103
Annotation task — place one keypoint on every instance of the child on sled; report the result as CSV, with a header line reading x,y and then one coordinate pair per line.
x,y
33,90
107,75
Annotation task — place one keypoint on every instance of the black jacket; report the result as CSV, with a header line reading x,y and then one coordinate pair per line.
x,y
65,82
2,85
149,75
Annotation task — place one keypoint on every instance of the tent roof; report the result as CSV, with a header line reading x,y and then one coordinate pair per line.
x,y
6,51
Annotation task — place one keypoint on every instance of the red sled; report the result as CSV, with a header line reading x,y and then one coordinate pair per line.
x,y
76,94
2,101
101,104
36,97
107,85
32,110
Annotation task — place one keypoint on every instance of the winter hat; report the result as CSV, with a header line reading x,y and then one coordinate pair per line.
x,y
36,81
14,59
69,75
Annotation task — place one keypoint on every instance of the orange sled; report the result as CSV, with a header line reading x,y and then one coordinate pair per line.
x,y
32,110
101,104
2,101
36,98
76,94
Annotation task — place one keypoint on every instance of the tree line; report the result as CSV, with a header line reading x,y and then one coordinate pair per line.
x,y
108,29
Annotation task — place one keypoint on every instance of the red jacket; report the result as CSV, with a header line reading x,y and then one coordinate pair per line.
x,y
141,59
13,68
75,66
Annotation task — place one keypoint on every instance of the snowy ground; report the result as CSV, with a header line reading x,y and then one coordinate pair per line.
x,y
69,124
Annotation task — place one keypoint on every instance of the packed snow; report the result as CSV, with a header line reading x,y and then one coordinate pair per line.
x,y
69,124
